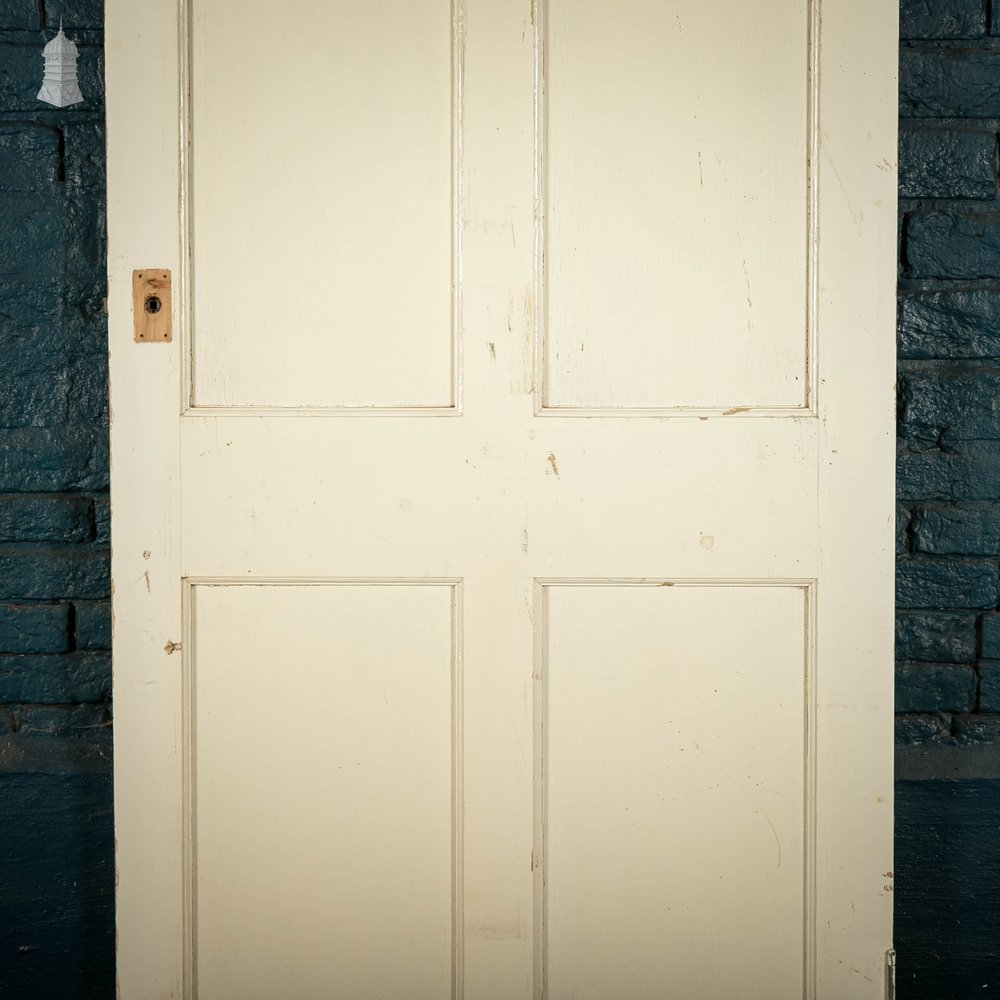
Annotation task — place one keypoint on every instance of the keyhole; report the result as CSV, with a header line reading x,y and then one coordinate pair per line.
x,y
153,305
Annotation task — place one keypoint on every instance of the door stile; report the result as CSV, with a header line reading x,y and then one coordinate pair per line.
x,y
143,231
856,264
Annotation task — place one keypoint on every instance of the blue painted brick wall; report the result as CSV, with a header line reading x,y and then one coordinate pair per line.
x,y
948,514
949,367
56,830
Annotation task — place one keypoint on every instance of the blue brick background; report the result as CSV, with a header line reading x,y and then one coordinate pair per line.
x,y
949,363
56,828
948,513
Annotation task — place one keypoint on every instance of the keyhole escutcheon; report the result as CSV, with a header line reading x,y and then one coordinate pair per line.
x,y
151,306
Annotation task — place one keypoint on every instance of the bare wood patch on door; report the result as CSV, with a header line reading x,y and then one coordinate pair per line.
x,y
151,306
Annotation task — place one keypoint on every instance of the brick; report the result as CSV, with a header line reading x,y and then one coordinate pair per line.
x,y
19,15
34,628
946,82
942,583
83,314
93,625
76,15
947,163
29,157
935,687
34,246
54,572
964,530
88,391
946,404
902,529
65,459
991,637
34,400
52,680
32,336
989,685
977,728
91,721
900,228
947,245
42,328
84,156
971,474
934,636
34,518
86,221
68,311
915,729
962,324
937,19
102,520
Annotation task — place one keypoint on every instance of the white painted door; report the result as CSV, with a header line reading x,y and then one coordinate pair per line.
x,y
502,543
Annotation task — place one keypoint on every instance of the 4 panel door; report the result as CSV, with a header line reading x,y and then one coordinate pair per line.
x,y
502,543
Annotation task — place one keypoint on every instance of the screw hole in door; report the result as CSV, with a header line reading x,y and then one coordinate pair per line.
x,y
153,305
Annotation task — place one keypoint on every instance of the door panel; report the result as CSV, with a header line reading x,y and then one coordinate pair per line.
x,y
298,217
503,544
304,831
673,762
676,195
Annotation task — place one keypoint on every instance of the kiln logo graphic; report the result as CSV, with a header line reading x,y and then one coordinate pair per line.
x,y
59,85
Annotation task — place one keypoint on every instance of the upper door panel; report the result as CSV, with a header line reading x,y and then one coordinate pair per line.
x,y
674,177
322,194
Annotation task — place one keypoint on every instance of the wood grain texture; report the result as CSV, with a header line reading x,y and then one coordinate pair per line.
x,y
152,308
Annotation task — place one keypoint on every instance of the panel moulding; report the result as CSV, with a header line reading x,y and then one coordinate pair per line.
x,y
540,716
188,650
809,405
186,285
